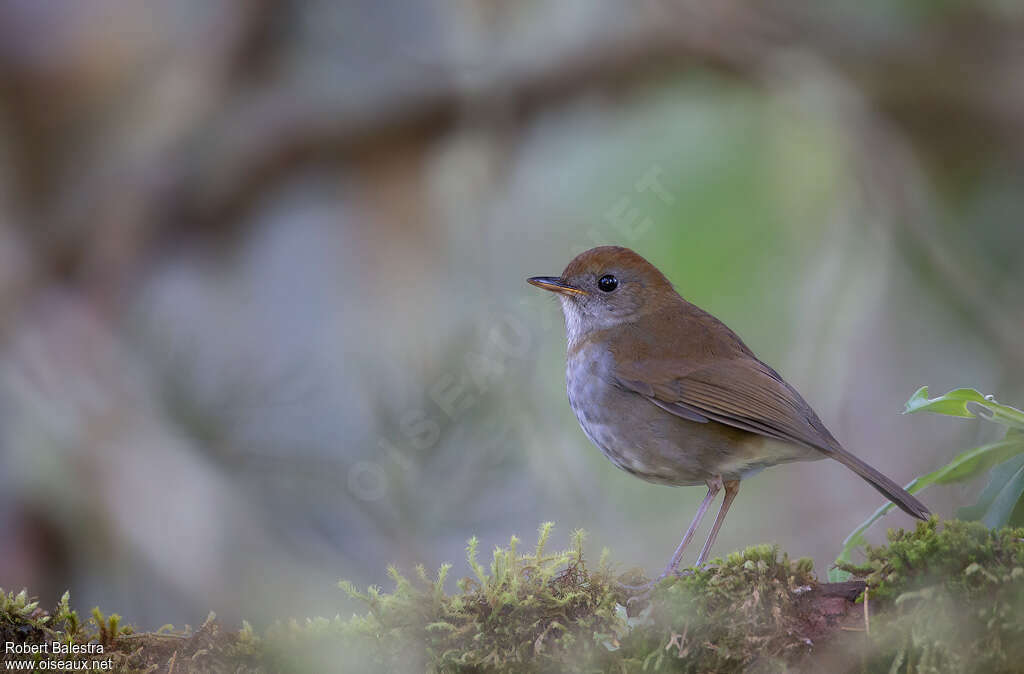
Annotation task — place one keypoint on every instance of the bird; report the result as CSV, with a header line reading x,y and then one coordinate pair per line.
x,y
673,396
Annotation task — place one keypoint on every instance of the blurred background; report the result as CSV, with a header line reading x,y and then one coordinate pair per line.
x,y
263,318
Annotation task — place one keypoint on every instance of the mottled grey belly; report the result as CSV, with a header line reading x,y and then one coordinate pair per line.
x,y
655,445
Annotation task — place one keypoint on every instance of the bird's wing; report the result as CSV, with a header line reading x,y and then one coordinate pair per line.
x,y
740,392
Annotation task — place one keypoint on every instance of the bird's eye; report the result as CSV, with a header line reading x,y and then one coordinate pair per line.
x,y
607,283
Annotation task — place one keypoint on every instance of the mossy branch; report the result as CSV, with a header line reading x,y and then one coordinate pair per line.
x,y
944,597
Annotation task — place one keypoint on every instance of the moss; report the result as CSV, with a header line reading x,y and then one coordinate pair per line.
x,y
949,598
24,622
541,612
962,557
942,598
104,644
745,609
527,612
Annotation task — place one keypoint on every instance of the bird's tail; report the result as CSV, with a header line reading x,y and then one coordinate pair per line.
x,y
892,491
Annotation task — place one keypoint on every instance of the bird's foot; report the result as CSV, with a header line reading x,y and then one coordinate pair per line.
x,y
644,589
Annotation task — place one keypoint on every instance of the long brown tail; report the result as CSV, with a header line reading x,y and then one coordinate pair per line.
x,y
892,491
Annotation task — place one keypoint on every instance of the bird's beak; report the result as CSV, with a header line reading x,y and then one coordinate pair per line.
x,y
555,285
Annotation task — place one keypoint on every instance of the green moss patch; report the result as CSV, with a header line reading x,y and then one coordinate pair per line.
x,y
950,599
941,598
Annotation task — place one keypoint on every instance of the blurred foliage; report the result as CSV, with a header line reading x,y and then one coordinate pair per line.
x,y
1002,501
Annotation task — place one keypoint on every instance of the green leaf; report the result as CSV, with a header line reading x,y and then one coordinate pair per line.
x,y
963,467
1002,495
968,464
838,575
1001,502
955,403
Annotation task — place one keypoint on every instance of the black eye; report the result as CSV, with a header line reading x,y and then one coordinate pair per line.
x,y
607,283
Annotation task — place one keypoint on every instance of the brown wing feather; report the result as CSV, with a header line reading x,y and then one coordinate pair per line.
x,y
704,372
741,392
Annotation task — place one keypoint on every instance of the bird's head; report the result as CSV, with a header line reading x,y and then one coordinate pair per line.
x,y
606,286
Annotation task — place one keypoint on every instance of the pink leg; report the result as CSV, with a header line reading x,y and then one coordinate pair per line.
x,y
714,486
732,487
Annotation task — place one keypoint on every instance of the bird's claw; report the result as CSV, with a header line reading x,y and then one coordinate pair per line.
x,y
644,589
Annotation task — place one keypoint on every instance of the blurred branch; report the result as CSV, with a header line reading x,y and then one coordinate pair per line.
x,y
255,143
258,142
95,120
252,130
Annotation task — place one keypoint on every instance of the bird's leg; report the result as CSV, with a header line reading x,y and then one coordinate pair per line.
x,y
714,485
732,487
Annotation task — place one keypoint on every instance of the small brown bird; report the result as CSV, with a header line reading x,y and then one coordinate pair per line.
x,y
673,396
